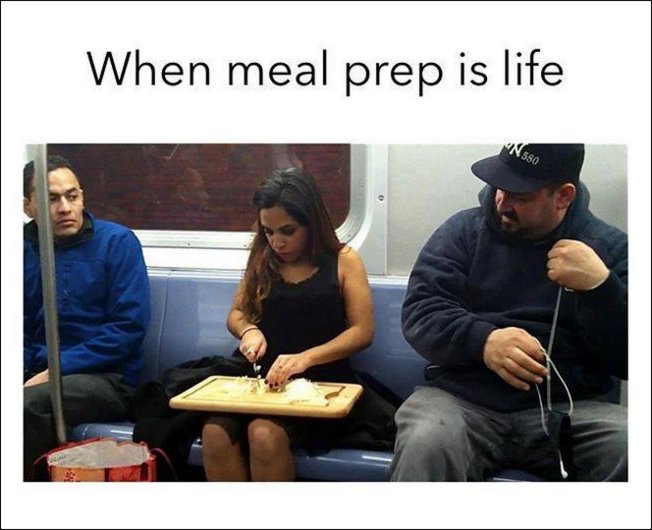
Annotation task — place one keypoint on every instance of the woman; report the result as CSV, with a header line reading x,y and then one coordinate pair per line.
x,y
303,306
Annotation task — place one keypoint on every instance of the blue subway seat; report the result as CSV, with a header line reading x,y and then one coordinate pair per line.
x,y
189,312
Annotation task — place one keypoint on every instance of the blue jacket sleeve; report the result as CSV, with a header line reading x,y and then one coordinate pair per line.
x,y
34,354
436,320
31,355
127,312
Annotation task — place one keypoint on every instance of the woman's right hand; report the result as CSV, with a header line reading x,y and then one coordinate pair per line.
x,y
253,345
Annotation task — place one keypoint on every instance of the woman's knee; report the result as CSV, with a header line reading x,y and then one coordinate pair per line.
x,y
219,437
267,439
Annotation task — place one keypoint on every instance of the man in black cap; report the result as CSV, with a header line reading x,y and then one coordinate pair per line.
x,y
520,306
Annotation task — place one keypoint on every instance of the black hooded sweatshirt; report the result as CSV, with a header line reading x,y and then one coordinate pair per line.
x,y
470,279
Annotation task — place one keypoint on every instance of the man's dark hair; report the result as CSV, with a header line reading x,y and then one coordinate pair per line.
x,y
54,162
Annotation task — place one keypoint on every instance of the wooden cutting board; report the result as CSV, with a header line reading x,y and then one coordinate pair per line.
x,y
213,395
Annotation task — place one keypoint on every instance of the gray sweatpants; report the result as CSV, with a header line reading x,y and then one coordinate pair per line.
x,y
85,397
443,438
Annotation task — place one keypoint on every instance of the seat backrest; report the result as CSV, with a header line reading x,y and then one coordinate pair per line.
x,y
158,284
194,323
390,360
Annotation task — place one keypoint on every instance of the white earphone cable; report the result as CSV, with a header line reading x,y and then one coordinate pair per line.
x,y
550,364
549,352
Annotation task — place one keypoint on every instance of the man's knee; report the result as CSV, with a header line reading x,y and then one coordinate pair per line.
x,y
612,427
603,455
36,400
617,447
432,435
430,451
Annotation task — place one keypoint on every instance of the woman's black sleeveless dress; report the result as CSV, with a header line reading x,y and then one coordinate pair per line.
x,y
299,316
296,317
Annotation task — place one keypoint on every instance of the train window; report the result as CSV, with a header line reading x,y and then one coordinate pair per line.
x,y
197,187
181,196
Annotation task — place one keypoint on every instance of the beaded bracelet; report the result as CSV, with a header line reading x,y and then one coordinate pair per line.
x,y
247,330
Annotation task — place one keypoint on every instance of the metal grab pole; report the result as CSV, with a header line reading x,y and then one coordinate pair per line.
x,y
46,251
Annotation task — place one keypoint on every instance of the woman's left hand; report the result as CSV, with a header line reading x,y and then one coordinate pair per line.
x,y
284,367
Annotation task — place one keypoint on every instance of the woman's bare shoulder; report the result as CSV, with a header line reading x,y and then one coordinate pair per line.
x,y
349,259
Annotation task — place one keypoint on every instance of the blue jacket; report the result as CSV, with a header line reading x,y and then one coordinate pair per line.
x,y
102,301
471,279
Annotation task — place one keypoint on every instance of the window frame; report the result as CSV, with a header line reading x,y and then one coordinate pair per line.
x,y
364,228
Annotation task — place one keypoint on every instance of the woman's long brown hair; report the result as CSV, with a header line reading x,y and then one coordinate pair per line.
x,y
296,192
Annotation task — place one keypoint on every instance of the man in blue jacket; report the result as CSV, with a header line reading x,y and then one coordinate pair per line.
x,y
520,306
103,312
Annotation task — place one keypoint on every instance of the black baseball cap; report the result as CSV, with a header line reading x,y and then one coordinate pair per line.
x,y
523,168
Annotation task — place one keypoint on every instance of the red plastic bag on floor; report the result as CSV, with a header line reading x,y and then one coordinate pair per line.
x,y
101,460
